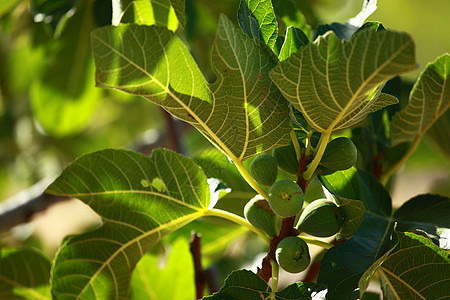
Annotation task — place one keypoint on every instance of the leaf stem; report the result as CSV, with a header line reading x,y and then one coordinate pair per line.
x,y
323,141
296,144
275,272
250,180
316,242
238,220
400,162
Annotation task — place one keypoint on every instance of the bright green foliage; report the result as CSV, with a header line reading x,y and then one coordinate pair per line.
x,y
286,158
293,254
64,98
150,280
321,218
335,84
140,199
242,113
24,274
264,169
257,19
429,99
340,154
259,214
286,198
156,12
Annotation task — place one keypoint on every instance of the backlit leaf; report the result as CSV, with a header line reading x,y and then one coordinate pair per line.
x,y
174,280
146,12
429,99
242,113
140,199
335,84
257,19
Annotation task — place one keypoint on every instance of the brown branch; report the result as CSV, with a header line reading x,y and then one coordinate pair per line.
x,y
200,278
302,167
287,229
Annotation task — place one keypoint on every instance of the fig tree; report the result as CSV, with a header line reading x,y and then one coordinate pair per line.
x,y
286,159
259,214
292,254
285,198
321,218
340,154
264,169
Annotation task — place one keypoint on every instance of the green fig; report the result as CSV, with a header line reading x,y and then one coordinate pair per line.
x,y
292,254
340,154
286,198
264,169
286,158
321,218
259,214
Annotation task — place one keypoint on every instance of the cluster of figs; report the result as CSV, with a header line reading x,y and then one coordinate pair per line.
x,y
321,218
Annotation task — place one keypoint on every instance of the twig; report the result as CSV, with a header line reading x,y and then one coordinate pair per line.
x,y
200,276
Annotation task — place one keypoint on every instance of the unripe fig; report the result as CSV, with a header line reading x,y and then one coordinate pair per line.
x,y
321,218
340,154
285,198
292,254
259,214
286,159
264,169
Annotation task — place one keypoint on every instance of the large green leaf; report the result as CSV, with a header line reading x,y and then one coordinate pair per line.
x,y
175,280
64,98
429,99
146,12
242,113
336,84
244,284
417,269
140,199
24,274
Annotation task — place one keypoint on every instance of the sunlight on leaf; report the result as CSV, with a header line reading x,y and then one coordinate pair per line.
x,y
128,58
174,280
98,264
336,84
429,99
145,12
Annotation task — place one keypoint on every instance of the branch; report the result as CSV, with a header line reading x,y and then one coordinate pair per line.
x,y
21,207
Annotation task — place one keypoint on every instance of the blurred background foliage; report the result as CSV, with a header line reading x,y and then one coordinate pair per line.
x,y
51,112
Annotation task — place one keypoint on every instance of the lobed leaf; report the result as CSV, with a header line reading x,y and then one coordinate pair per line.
x,y
417,269
335,84
140,199
242,113
429,99
24,274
